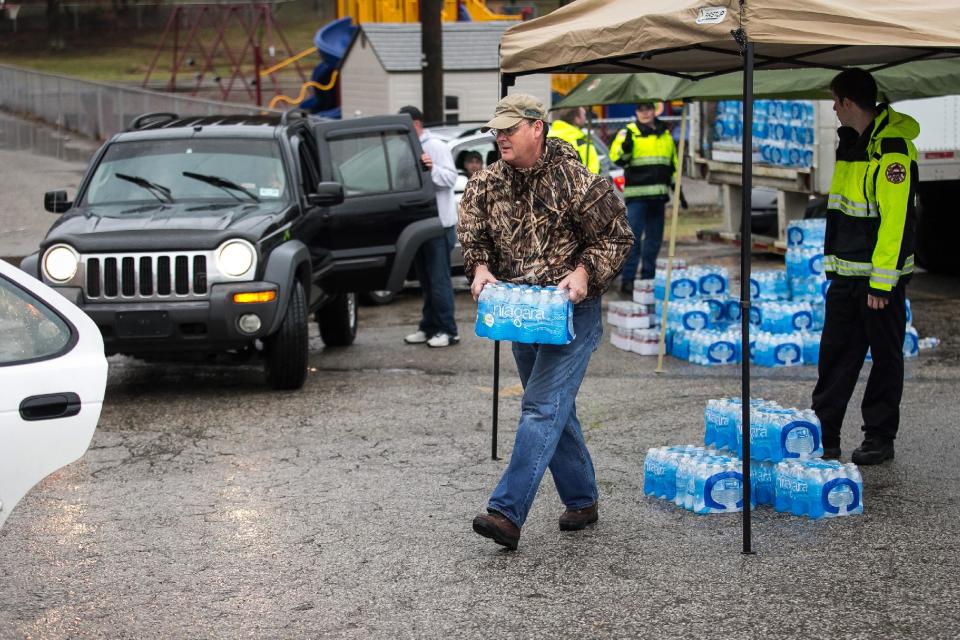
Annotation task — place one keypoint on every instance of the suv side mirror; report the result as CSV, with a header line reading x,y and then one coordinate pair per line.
x,y
56,201
327,195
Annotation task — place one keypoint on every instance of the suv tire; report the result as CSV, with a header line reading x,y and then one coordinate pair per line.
x,y
286,350
338,320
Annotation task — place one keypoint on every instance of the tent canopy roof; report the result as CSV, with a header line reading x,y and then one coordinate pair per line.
x,y
923,79
696,36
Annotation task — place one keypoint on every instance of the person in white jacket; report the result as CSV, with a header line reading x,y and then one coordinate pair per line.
x,y
438,328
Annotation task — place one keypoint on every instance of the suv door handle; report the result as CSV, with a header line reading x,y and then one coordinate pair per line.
x,y
415,204
50,406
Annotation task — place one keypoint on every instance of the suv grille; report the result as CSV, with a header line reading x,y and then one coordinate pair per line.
x,y
146,277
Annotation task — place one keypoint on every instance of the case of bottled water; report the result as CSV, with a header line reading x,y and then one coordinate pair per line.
x,y
660,469
629,315
709,483
691,315
679,343
621,338
786,317
711,280
718,309
732,309
769,285
525,313
777,349
808,289
911,343
645,342
643,291
806,233
909,312
804,262
811,347
818,488
682,286
762,483
709,347
776,433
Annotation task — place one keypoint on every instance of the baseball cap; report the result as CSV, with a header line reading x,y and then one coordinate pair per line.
x,y
513,109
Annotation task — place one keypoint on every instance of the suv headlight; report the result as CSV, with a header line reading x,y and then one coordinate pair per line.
x,y
235,257
60,263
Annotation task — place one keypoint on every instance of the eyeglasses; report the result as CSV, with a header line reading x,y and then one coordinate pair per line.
x,y
509,132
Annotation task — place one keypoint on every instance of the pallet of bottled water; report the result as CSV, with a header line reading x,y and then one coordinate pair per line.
x,y
776,433
695,478
818,488
524,313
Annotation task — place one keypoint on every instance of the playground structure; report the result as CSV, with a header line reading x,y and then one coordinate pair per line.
x,y
248,67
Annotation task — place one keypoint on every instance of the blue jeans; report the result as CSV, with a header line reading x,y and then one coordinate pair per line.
x,y
432,264
549,433
645,216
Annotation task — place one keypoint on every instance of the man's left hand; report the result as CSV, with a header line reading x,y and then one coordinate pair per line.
x,y
876,302
576,283
427,161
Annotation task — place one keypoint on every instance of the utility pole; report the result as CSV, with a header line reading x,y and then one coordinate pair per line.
x,y
431,47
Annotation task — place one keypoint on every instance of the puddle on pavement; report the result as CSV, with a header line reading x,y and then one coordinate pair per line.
x,y
41,140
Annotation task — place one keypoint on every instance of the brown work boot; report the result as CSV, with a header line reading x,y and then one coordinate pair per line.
x,y
498,528
577,519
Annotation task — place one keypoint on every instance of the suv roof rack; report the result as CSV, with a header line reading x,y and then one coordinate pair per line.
x,y
156,118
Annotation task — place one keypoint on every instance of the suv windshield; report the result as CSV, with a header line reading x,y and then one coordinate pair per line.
x,y
148,171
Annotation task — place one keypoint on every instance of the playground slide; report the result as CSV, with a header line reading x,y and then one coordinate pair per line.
x,y
331,41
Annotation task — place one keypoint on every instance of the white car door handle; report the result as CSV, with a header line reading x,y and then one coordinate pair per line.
x,y
50,406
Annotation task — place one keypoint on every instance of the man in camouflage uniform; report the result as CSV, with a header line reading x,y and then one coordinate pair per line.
x,y
538,216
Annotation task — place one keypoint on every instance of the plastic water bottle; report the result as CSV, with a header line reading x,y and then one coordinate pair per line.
x,y
762,484
484,311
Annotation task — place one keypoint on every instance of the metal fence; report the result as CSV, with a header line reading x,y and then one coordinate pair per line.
x,y
96,109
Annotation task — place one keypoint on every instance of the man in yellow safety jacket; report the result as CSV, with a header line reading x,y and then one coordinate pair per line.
x,y
646,151
568,126
868,257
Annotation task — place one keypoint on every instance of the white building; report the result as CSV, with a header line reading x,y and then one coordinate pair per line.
x,y
381,71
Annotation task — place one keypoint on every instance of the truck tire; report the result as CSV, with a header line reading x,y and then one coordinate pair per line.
x,y
286,350
377,298
338,320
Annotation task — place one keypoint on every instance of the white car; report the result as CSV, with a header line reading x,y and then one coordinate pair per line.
x,y
53,374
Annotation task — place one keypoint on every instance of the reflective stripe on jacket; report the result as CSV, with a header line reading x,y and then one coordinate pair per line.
x,y
651,167
578,140
871,212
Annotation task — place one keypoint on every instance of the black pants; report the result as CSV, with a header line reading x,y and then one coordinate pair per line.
x,y
850,327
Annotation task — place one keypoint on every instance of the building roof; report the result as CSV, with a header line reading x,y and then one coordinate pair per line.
x,y
467,46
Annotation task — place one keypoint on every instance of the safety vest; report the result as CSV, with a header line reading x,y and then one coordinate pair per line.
x,y
578,140
871,209
651,167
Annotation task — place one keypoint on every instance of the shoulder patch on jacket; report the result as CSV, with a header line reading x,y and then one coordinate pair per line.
x,y
894,145
896,173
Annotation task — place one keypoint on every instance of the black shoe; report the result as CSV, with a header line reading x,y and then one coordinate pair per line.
x,y
872,452
831,453
498,528
577,519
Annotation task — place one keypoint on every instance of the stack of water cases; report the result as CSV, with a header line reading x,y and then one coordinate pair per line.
x,y
782,131
786,469
522,313
787,311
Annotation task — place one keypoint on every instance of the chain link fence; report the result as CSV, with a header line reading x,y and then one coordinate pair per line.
x,y
95,109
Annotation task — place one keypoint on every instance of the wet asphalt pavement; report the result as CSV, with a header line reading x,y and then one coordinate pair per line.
x,y
209,506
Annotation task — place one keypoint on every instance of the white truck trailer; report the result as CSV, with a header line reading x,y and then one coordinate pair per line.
x,y
800,189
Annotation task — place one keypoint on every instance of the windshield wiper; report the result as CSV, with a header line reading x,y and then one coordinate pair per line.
x,y
227,185
155,189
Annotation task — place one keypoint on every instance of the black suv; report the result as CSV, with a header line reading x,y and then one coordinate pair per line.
x,y
191,237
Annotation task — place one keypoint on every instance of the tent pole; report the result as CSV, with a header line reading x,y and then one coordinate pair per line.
x,y
746,243
505,82
673,236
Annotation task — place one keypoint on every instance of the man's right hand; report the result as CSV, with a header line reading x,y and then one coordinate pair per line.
x,y
481,277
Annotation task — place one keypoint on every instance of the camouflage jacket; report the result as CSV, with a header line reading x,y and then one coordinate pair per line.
x,y
534,226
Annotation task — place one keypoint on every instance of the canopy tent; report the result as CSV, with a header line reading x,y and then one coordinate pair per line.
x,y
690,40
922,79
